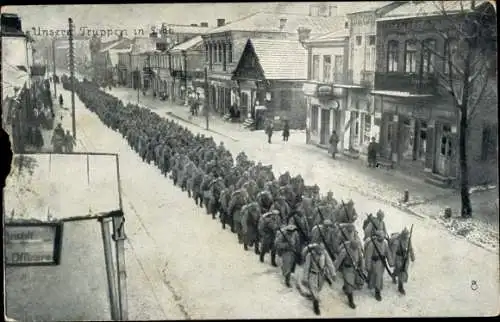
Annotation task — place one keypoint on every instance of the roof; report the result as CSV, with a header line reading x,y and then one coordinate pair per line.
x,y
336,35
272,53
143,44
428,8
116,44
366,6
183,29
270,22
187,44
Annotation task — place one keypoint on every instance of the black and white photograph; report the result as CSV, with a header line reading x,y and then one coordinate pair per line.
x,y
250,160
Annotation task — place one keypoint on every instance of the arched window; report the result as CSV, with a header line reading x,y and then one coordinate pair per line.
x,y
410,56
392,56
450,54
428,56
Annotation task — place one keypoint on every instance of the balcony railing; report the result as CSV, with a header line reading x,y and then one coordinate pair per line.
x,y
412,83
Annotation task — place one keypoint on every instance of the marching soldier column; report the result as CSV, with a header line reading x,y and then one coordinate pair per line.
x,y
280,216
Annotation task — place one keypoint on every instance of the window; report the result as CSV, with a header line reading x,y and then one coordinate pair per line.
x,y
410,56
327,68
220,53
346,25
224,58
315,71
367,128
339,68
371,40
206,53
230,53
392,56
359,39
488,144
215,53
450,53
429,46
314,118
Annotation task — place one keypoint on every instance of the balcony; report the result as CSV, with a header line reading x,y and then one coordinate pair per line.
x,y
412,83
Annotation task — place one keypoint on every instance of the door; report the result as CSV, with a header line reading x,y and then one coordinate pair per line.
x,y
443,153
325,126
355,130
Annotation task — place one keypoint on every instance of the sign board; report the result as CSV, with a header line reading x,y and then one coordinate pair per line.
x,y
33,244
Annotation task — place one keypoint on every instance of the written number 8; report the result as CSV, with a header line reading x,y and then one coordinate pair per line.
x,y
474,285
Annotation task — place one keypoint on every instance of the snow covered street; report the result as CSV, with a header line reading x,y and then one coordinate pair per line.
x,y
182,265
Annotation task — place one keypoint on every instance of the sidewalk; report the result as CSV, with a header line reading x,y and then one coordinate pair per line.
x,y
387,186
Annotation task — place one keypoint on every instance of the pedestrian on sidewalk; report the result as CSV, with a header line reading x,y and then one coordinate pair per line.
x,y
372,153
58,139
37,138
269,131
69,142
334,141
286,131
61,100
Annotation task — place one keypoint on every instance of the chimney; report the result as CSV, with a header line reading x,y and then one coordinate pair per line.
x,y
221,22
303,33
282,23
204,24
194,25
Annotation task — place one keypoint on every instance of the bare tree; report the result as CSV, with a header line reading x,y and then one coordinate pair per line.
x,y
468,29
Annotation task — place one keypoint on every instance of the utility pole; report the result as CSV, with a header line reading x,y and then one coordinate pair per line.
x,y
54,66
72,74
206,99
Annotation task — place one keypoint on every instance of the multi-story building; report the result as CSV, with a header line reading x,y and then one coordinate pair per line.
x,y
420,121
140,71
327,66
360,121
187,67
225,44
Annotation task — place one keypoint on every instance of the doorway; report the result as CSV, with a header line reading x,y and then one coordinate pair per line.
x,y
443,146
325,126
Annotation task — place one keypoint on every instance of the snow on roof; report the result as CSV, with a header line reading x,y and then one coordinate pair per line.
x,y
366,6
336,35
143,44
414,9
186,29
270,22
117,44
281,59
399,94
60,184
187,44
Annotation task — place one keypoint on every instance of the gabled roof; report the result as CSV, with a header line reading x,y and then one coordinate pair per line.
x,y
429,8
367,6
187,44
270,22
333,36
280,59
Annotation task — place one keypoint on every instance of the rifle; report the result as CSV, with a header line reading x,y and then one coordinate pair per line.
x,y
288,242
405,260
376,227
380,256
323,237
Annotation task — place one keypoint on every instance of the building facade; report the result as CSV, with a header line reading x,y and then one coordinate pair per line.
x,y
225,45
326,103
419,119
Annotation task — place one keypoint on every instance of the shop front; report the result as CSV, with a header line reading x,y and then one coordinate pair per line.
x,y
325,112
418,135
220,93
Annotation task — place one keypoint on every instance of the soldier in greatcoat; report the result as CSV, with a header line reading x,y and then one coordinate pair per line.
x,y
402,253
318,266
265,200
287,245
350,263
225,198
377,255
375,224
249,223
268,224
239,198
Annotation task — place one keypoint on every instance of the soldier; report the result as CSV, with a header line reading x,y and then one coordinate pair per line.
x,y
249,224
217,186
225,198
318,266
287,246
375,224
239,198
345,213
205,190
402,253
268,225
377,256
284,179
265,201
299,220
350,263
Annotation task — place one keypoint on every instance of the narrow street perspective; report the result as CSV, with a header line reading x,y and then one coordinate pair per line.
x,y
290,160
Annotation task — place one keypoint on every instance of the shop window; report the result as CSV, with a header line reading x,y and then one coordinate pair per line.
x,y
314,118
